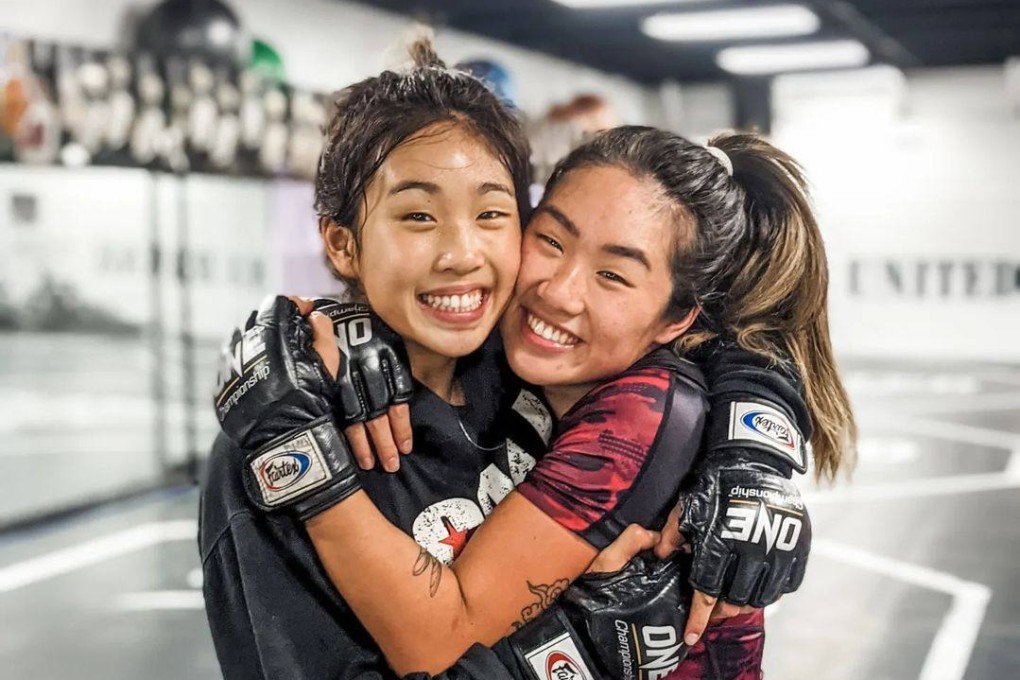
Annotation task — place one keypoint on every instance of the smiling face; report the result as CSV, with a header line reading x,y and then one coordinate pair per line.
x,y
594,282
440,242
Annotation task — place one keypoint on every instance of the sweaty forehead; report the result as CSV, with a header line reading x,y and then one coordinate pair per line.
x,y
440,149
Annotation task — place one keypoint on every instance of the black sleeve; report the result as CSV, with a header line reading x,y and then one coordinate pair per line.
x,y
267,622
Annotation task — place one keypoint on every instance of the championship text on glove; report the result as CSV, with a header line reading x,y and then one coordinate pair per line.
x,y
275,400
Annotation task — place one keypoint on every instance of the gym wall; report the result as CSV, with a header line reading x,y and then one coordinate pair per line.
x,y
917,183
326,45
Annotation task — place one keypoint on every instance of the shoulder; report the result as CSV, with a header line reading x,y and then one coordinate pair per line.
x,y
641,397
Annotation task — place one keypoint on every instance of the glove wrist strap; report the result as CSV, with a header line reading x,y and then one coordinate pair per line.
x,y
749,422
293,470
550,647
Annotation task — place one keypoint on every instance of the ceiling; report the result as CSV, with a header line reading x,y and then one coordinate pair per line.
x,y
906,33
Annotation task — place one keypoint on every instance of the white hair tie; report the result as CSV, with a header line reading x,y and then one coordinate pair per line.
x,y
721,156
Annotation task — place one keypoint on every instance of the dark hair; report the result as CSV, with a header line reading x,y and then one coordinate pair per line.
x,y
373,117
748,252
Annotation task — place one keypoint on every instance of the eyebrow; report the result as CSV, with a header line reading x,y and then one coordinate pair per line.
x,y
409,185
635,254
486,187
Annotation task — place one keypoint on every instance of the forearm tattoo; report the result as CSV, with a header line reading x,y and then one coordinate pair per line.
x,y
545,595
427,563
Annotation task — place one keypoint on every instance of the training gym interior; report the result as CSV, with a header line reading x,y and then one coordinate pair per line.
x,y
156,168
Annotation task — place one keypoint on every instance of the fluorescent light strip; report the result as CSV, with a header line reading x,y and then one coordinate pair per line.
x,y
732,24
600,4
767,59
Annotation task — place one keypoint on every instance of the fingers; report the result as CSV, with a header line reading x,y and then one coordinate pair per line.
x,y
399,373
725,610
374,381
357,439
323,342
797,570
635,539
304,305
746,577
382,439
671,540
772,586
702,605
400,425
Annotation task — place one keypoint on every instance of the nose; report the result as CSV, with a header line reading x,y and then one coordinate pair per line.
x,y
460,249
564,290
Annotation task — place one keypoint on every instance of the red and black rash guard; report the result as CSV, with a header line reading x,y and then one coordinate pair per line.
x,y
621,451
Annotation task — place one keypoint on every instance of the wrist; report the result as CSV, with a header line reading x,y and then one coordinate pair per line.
x,y
305,470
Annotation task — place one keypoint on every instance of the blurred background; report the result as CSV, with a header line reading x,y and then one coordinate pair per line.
x,y
155,167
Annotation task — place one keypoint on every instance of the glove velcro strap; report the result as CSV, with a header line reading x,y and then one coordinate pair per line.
x,y
755,423
549,647
296,465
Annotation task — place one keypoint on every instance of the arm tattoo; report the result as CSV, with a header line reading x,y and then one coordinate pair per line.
x,y
545,595
426,562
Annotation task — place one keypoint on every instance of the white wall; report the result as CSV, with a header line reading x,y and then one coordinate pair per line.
x,y
917,183
326,44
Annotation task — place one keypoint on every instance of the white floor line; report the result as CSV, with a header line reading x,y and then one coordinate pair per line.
x,y
917,488
967,434
957,404
161,599
92,552
1013,465
950,651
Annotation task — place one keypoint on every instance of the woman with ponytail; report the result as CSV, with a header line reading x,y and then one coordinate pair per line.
x,y
643,240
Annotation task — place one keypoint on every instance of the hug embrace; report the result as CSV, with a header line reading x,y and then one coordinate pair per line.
x,y
556,442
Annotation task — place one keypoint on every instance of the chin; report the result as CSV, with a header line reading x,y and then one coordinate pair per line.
x,y
458,345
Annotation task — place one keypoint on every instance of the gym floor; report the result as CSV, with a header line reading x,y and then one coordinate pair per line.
x,y
913,571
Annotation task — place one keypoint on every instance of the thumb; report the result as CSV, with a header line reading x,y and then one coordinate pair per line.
x,y
324,343
635,539
671,539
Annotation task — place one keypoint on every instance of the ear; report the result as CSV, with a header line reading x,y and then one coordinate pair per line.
x,y
674,330
341,248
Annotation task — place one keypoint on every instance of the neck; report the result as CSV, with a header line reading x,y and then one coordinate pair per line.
x,y
563,397
435,371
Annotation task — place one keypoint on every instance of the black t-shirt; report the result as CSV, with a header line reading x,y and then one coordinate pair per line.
x,y
273,611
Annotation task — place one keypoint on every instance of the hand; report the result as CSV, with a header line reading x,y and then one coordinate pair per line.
x,y
374,381
275,400
634,540
704,607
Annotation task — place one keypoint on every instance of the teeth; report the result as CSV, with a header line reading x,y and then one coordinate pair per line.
x,y
550,333
468,302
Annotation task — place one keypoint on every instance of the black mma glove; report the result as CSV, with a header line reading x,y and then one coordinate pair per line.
x,y
611,626
744,517
374,369
275,400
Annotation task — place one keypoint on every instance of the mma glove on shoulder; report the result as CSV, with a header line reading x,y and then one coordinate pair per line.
x,y
275,399
742,514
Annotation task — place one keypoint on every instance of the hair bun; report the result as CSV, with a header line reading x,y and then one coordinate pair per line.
x,y
423,52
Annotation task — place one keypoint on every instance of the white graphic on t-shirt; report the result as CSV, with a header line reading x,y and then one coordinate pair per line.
x,y
444,527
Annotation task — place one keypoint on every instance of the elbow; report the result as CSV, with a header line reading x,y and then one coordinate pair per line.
x,y
431,653
433,662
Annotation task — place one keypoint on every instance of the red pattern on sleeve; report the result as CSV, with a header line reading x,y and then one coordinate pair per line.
x,y
730,649
603,444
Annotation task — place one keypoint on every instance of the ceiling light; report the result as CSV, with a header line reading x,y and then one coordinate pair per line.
x,y
599,4
732,24
765,59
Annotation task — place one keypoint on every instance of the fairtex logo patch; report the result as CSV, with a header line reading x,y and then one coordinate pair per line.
x,y
768,425
284,470
559,666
